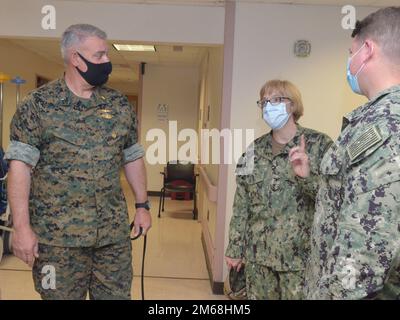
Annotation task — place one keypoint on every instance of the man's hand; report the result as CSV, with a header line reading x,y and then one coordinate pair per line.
x,y
299,159
142,219
234,263
25,245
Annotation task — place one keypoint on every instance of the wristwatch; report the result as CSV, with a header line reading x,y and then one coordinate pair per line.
x,y
145,205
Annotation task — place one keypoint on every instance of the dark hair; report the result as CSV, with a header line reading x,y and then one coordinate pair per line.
x,y
383,27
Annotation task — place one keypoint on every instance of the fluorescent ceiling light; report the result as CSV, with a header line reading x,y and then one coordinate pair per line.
x,y
134,47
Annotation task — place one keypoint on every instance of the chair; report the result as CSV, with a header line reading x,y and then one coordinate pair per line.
x,y
178,177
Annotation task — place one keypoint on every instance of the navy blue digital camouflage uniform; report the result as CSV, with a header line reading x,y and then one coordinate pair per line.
x,y
273,212
355,251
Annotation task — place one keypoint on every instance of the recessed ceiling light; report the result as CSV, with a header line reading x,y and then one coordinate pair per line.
x,y
134,47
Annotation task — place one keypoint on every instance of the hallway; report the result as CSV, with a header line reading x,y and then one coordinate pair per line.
x,y
175,267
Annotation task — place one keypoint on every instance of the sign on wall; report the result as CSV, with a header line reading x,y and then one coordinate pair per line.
x,y
162,112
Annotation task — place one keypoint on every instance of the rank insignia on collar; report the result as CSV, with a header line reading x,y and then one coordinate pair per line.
x,y
366,140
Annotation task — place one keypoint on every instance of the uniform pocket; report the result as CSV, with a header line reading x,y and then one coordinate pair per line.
x,y
117,132
68,136
65,149
117,135
255,187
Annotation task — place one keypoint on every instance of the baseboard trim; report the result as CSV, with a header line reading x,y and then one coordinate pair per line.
x,y
216,287
153,193
158,194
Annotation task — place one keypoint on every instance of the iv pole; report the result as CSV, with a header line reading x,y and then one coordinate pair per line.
x,y
18,81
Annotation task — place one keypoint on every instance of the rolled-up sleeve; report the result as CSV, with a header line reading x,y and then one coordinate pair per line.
x,y
22,152
133,153
133,150
25,134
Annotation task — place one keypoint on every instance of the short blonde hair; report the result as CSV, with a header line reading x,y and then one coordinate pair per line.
x,y
285,89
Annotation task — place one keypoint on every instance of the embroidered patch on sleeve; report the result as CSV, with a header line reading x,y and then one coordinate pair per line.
x,y
366,140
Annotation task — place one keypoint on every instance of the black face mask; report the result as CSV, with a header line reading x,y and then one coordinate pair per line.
x,y
97,73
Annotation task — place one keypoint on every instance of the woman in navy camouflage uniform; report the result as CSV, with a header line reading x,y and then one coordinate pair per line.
x,y
273,208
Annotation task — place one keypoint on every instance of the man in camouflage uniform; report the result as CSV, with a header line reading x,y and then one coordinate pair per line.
x,y
356,233
273,209
69,140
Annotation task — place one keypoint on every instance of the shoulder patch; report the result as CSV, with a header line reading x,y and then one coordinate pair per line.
x,y
245,165
241,161
366,140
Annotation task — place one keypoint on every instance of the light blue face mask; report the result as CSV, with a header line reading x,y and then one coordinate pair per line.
x,y
352,79
275,116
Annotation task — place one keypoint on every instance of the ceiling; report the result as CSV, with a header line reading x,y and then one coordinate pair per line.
x,y
378,3
125,64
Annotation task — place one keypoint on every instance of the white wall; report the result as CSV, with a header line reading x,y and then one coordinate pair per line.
x,y
264,39
14,61
139,22
178,88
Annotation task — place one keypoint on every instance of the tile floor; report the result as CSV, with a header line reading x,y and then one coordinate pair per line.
x,y
175,267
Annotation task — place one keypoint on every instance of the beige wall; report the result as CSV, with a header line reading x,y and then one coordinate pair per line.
x,y
264,39
127,88
211,97
17,61
178,88
211,70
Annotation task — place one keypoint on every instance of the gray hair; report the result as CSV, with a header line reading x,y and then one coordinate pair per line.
x,y
382,26
76,34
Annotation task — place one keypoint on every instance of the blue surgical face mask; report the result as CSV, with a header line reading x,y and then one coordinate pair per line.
x,y
275,116
352,79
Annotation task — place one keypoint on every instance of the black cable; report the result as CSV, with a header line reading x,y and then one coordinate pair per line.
x,y
144,254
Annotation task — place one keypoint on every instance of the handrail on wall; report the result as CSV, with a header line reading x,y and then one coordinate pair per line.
x,y
212,190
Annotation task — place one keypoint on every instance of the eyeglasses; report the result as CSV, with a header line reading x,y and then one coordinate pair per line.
x,y
274,101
